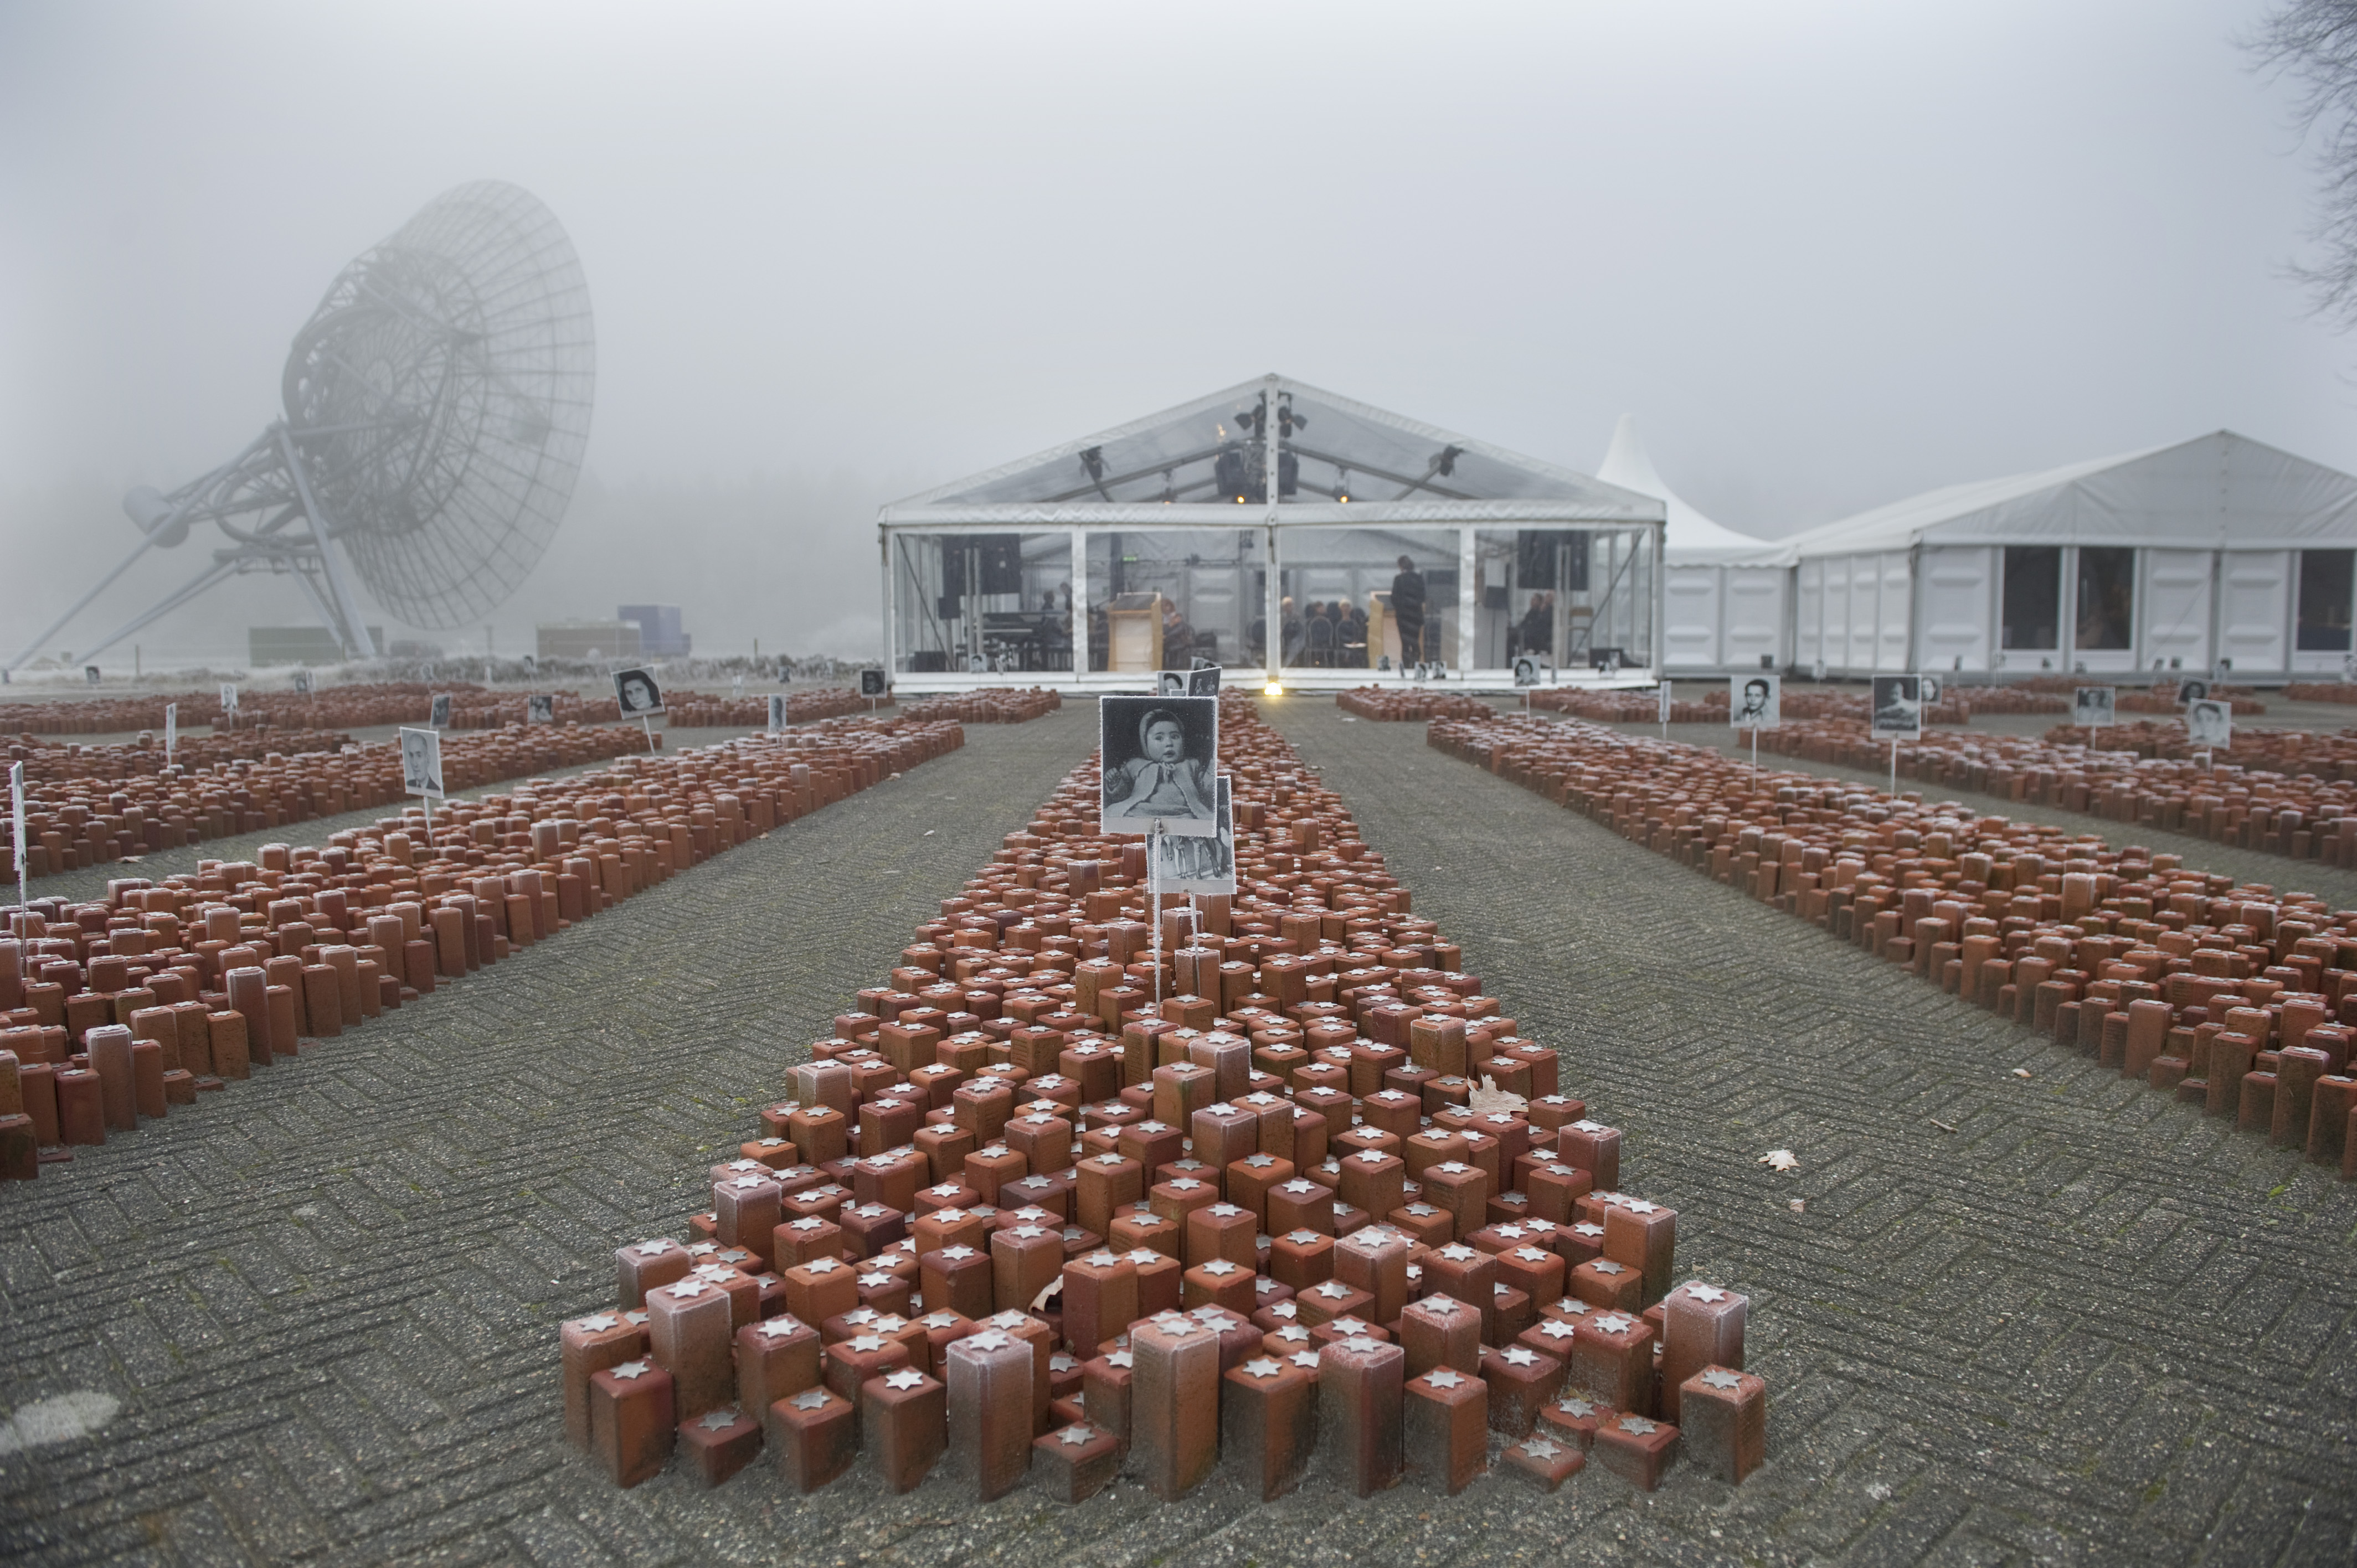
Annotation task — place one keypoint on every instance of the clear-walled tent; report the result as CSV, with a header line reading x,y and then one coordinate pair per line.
x,y
1263,527
1726,595
2215,553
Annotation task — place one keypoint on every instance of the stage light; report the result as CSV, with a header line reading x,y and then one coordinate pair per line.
x,y
1272,690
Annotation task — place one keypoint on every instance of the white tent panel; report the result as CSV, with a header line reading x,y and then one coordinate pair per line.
x,y
1809,614
1690,631
1959,589
2255,609
2174,603
1752,600
1894,607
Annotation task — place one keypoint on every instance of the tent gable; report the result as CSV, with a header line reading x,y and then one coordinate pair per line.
x,y
1208,452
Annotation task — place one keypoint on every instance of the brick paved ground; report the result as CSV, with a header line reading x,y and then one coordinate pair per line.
x,y
2088,1326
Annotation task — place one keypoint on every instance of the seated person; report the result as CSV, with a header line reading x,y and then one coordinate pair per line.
x,y
1164,781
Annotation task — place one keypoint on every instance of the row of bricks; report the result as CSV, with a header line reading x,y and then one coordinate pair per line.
x,y
1181,1166
2282,793
2237,998
1181,1399
75,824
173,989
991,705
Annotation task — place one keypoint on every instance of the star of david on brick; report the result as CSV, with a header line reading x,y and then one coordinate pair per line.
x,y
1706,1293
1444,1379
629,1370
1521,1356
811,1399
597,1323
1719,1377
718,1421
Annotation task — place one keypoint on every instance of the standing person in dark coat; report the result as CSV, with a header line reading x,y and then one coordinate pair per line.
x,y
1407,609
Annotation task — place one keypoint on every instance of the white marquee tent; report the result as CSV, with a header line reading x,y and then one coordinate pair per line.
x,y
2218,552
1260,527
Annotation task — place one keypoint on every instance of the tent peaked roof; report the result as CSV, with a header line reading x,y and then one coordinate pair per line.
x,y
2218,490
1364,463
1690,536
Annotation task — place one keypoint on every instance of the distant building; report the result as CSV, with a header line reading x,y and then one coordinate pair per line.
x,y
590,640
658,633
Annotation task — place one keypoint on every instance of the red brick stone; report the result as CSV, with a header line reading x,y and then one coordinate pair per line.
x,y
1174,1422
813,1435
590,1345
631,1425
775,1358
1521,1380
1268,1423
1359,1402
1636,1448
1702,1327
1444,1437
1440,1331
1725,1427
903,1425
991,1423
1612,1357
719,1443
690,1334
1543,1461
1075,1462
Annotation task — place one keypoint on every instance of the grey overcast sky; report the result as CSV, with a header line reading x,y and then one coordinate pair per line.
x,y
1828,253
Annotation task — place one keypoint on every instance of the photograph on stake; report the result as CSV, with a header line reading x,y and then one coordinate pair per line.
x,y
1160,757
1196,864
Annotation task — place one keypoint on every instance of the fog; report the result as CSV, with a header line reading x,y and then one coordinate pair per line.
x,y
1828,254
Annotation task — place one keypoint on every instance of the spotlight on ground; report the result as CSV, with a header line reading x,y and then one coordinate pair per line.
x,y
1272,690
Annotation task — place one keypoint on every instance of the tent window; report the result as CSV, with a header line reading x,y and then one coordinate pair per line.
x,y
2033,596
2325,580
2107,599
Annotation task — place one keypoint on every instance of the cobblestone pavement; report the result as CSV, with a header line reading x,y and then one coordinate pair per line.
x,y
2088,1326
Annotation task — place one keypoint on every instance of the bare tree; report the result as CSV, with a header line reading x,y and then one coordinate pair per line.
x,y
2314,43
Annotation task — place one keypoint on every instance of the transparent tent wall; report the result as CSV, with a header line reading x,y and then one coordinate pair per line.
x,y
1340,586
1160,598
1556,593
997,602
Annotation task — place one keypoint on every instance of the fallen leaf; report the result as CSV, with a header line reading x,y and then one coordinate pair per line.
x,y
1798,1207
1780,1159
2021,1072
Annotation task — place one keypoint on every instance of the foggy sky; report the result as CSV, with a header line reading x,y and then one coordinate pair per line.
x,y
1829,254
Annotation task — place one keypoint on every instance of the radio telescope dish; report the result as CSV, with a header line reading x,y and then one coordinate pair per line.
x,y
436,410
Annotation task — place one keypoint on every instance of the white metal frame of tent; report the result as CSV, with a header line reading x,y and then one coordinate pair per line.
x,y
1375,473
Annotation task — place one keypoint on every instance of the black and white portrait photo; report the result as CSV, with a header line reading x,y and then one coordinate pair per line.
x,y
539,709
1754,702
2209,724
874,682
1203,681
228,696
2192,690
1161,758
303,681
421,763
1526,670
1171,682
1200,865
1929,689
2092,706
438,714
637,692
1897,707
777,712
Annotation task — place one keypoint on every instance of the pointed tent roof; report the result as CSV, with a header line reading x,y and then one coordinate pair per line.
x,y
2219,490
1690,537
1355,465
